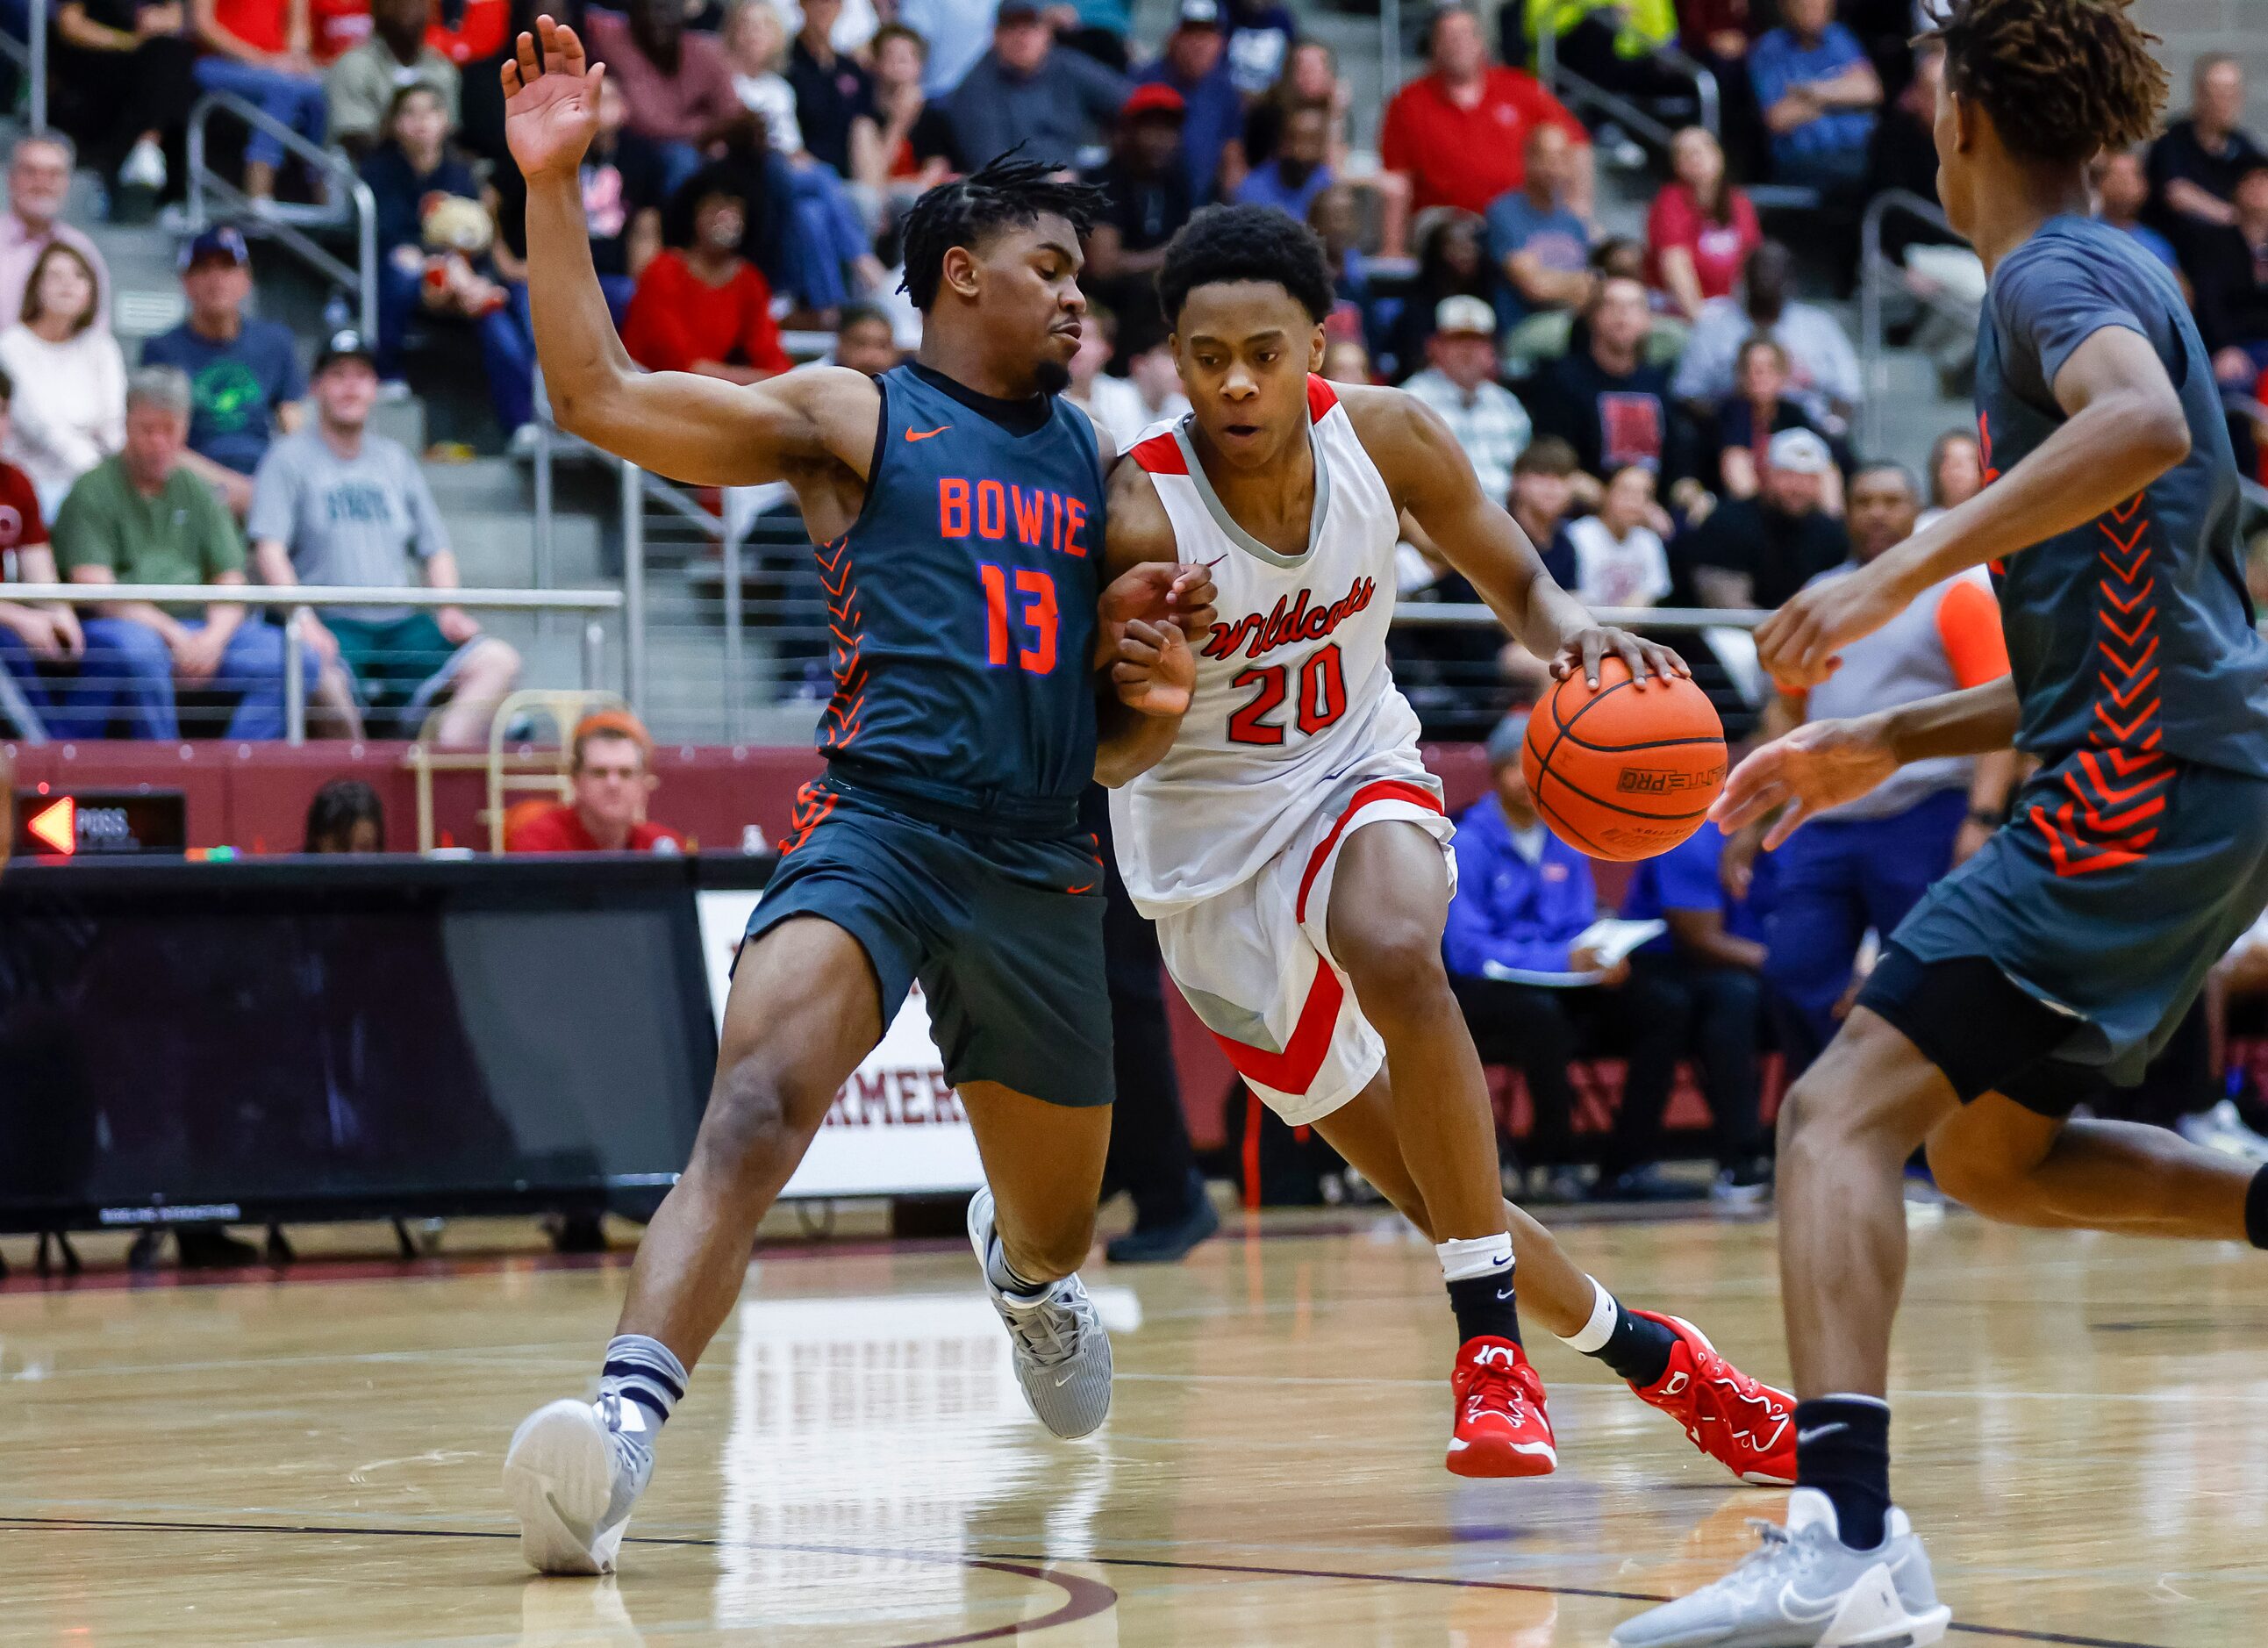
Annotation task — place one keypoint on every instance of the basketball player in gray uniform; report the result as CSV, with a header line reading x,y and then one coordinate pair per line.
x,y
2063,955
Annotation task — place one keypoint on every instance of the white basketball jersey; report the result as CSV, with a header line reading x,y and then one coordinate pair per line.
x,y
1293,687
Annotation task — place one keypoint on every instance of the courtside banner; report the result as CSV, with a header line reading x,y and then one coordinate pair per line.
x,y
896,1129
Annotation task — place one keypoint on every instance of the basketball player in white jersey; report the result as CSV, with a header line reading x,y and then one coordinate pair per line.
x,y
1293,849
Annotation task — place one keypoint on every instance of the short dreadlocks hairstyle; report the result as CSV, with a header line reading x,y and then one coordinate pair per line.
x,y
1005,193
1229,243
2063,79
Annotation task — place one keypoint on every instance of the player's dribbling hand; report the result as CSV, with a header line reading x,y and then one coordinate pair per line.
x,y
1155,673
1819,765
1583,650
1800,645
551,111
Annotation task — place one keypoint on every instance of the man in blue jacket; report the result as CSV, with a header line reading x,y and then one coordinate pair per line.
x,y
1532,998
1713,956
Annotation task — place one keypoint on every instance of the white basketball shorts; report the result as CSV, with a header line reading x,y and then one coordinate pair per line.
x,y
1254,964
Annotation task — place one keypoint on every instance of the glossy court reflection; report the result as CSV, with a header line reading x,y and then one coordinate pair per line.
x,y
2083,1423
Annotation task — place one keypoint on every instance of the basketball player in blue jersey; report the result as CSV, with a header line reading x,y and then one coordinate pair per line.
x,y
960,506
2061,955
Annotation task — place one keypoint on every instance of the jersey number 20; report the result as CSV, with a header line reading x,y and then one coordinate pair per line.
x,y
1321,700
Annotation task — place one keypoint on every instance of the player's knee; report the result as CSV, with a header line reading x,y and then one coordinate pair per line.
x,y
1811,1119
750,1119
1397,970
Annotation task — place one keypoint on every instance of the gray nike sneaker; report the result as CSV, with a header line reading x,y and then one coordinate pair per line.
x,y
573,1471
1063,1355
1804,1588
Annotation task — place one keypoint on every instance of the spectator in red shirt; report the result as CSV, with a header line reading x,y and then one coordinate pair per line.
x,y
611,783
1459,133
1701,230
30,636
706,309
263,51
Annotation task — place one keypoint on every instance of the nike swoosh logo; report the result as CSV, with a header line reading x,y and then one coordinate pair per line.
x,y
1075,891
1065,1379
1817,1432
1802,1610
1503,1294
925,434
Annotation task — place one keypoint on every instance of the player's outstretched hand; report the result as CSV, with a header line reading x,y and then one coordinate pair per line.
x,y
1819,765
1161,591
1583,650
1156,673
1800,645
550,112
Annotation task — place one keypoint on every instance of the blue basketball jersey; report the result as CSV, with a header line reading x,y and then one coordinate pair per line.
x,y
2131,632
962,605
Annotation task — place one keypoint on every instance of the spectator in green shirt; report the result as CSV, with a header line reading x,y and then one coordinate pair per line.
x,y
141,517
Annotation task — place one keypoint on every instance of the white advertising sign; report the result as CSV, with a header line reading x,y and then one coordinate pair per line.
x,y
896,1127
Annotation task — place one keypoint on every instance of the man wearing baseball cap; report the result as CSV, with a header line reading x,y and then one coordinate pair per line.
x,y
1194,64
1024,91
336,503
1757,551
1459,382
1149,200
244,373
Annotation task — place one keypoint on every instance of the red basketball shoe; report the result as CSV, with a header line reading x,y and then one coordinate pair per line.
x,y
1742,1423
1501,1429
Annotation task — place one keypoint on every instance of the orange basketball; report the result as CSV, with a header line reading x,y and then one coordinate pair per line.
x,y
1624,772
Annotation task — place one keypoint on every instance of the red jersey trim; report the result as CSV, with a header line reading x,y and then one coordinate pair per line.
x,y
1321,397
1160,455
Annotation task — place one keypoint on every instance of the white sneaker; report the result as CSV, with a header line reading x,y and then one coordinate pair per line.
x,y
573,1474
2221,1129
1061,1353
145,167
1804,1588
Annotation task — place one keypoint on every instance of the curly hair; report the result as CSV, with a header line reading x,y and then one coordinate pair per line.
x,y
2062,79
1227,243
1004,193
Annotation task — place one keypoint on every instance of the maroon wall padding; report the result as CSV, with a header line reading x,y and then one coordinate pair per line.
x,y
253,797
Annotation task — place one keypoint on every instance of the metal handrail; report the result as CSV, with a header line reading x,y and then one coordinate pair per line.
x,y
346,182
1578,90
1444,615
26,54
1873,270
322,595
297,597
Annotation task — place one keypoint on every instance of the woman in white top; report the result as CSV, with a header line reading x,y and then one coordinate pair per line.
x,y
69,409
1619,560
834,223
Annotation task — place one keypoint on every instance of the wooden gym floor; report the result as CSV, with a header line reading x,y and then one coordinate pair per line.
x,y
2082,1427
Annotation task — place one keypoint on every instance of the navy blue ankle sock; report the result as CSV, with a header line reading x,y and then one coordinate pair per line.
x,y
2255,1210
1639,1350
1484,1305
1842,1448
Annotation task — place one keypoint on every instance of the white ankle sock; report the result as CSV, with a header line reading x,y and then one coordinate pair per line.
x,y
1592,1336
1474,1256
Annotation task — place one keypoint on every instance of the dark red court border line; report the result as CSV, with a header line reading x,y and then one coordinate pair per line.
x,y
22,1278
1083,1598
1087,1597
